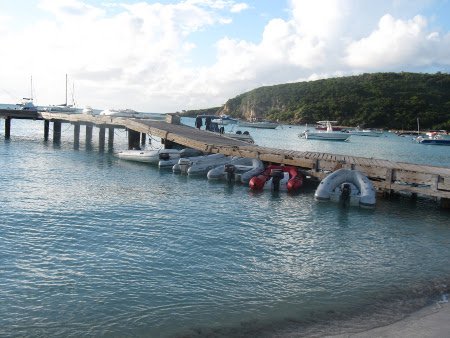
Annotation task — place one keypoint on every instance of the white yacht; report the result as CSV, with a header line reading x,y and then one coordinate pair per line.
x,y
328,134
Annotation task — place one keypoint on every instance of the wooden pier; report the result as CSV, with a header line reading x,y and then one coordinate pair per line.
x,y
387,176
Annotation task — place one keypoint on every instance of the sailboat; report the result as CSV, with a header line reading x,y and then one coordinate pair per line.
x,y
63,108
27,102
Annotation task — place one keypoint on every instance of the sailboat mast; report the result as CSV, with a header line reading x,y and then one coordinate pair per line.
x,y
66,90
31,88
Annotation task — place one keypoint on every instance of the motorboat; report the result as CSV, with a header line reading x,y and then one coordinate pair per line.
x,y
240,135
328,135
434,139
239,169
147,156
183,164
258,124
224,120
347,186
277,178
215,127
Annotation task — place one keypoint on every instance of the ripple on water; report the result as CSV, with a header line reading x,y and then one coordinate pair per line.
x,y
96,246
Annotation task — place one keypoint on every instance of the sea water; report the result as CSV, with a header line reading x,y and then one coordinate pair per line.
x,y
91,245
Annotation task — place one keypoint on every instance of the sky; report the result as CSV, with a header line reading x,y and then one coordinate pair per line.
x,y
167,56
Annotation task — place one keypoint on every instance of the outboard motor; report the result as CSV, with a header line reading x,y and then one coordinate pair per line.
x,y
184,164
277,175
345,194
230,169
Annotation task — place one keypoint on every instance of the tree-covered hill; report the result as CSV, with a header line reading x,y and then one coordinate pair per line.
x,y
382,100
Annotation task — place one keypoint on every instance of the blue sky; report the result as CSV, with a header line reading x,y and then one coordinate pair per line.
x,y
172,55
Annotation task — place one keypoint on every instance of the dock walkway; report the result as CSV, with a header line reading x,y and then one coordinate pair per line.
x,y
387,176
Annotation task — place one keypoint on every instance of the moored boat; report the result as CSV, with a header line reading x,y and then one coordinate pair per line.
x,y
147,156
347,186
239,169
258,124
277,178
167,161
183,164
329,134
434,139
224,120
202,166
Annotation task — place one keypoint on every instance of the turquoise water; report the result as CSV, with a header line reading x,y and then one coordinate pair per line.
x,y
94,246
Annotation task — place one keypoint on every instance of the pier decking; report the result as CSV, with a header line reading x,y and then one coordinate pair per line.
x,y
387,176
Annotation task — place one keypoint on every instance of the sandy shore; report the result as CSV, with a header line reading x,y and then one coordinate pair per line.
x,y
432,321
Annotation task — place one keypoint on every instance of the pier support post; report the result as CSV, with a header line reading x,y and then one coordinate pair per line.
x,y
76,136
110,138
46,129
7,128
133,139
101,138
445,203
143,139
168,144
89,128
56,131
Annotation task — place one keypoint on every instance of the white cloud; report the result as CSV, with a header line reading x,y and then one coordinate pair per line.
x,y
394,43
236,8
139,55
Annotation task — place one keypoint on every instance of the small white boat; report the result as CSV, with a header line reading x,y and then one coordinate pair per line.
x,y
27,104
328,135
147,156
347,186
239,169
241,136
434,139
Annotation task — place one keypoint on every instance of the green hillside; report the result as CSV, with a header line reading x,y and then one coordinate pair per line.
x,y
381,100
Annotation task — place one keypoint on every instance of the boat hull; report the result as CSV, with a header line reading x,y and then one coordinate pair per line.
x,y
331,188
436,142
327,136
240,169
146,156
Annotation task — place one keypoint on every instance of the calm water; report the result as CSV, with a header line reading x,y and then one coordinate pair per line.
x,y
94,246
